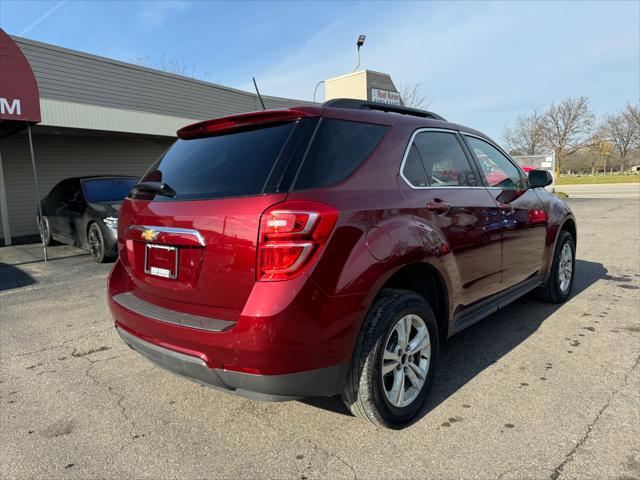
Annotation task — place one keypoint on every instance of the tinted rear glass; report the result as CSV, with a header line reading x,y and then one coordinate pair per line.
x,y
107,189
337,149
231,165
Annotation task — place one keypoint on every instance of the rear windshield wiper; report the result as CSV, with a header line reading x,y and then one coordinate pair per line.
x,y
156,187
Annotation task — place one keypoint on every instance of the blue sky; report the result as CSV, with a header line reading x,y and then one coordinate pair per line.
x,y
479,63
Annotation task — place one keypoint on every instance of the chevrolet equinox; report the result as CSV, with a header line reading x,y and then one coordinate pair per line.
x,y
317,251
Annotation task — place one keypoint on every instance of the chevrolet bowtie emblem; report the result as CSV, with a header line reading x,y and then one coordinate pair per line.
x,y
149,235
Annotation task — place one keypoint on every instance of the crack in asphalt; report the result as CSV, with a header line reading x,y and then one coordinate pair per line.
x,y
110,389
65,342
569,456
315,446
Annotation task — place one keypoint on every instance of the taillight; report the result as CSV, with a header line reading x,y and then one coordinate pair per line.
x,y
291,234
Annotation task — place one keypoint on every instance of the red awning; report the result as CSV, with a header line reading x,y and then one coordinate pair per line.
x,y
19,98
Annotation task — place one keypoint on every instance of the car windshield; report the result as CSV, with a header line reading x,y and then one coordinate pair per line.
x,y
108,189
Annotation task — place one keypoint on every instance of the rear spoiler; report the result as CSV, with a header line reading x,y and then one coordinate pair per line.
x,y
219,126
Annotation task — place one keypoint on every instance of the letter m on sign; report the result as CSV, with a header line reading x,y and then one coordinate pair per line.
x,y
12,108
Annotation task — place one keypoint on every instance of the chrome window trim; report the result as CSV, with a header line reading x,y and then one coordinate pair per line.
x,y
406,155
180,231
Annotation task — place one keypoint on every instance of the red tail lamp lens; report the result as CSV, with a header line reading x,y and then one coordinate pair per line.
x,y
291,234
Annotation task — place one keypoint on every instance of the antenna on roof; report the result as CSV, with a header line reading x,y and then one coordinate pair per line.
x,y
258,92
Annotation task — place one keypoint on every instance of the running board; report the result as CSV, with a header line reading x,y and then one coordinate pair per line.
x,y
484,308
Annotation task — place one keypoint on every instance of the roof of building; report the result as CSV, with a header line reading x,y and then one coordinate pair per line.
x,y
80,90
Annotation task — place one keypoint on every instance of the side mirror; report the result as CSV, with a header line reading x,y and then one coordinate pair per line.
x,y
540,178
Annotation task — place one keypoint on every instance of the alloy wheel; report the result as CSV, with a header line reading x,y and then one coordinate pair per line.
x,y
565,267
95,242
44,229
405,360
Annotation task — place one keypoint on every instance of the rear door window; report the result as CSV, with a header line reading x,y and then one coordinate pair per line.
x,y
413,171
337,149
231,165
444,160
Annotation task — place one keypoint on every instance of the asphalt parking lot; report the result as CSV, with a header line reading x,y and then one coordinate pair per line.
x,y
535,391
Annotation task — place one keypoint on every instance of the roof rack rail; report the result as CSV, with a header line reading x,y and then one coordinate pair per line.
x,y
364,105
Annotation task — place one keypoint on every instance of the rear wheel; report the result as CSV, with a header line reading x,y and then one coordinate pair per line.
x,y
560,282
45,231
394,360
97,247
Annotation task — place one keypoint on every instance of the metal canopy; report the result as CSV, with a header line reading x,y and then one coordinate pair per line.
x,y
19,108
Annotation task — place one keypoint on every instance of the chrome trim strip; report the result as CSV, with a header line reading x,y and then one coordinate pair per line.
x,y
180,231
136,305
406,154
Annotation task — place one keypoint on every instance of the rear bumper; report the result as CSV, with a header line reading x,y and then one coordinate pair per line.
x,y
320,382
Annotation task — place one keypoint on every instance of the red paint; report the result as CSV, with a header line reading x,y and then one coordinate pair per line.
x,y
20,101
223,125
369,226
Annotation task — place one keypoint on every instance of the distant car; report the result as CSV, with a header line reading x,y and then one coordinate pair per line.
x,y
83,211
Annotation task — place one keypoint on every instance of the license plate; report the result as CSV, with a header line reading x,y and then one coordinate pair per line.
x,y
161,261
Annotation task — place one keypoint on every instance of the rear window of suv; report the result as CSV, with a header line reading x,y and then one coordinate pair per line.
x,y
231,165
337,149
307,153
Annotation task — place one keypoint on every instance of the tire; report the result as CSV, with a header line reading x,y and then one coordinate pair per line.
x,y
367,391
95,241
45,232
556,290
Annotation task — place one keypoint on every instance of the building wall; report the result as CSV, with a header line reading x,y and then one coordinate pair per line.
x,y
379,80
357,85
353,85
67,155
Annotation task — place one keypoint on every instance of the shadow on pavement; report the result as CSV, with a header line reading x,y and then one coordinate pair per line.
x,y
471,351
29,262
13,277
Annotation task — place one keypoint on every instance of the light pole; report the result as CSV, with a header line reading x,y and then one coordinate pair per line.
x,y
359,43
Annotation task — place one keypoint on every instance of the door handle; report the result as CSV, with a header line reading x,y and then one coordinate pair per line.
x,y
506,208
438,206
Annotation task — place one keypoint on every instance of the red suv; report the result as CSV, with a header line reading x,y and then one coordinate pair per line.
x,y
330,250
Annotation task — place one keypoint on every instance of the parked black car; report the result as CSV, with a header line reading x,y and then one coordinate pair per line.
x,y
83,211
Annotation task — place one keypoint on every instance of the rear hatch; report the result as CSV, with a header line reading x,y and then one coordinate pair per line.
x,y
189,232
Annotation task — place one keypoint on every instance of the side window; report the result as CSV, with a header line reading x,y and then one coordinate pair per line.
x,y
496,167
443,160
58,192
413,171
63,191
337,149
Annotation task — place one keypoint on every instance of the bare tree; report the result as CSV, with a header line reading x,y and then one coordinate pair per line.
x,y
633,113
411,95
173,65
567,127
526,136
623,131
